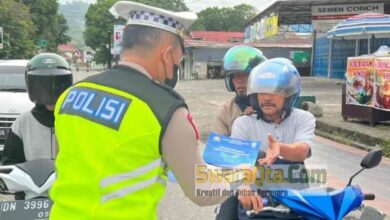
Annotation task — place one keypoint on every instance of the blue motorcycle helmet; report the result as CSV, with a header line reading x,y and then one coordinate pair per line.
x,y
240,59
276,76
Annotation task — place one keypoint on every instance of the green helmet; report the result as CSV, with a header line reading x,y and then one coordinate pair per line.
x,y
240,59
47,76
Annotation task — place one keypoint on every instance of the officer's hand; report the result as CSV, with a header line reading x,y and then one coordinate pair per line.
x,y
249,199
248,111
273,152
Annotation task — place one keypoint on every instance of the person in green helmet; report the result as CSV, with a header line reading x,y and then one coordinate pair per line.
x,y
237,64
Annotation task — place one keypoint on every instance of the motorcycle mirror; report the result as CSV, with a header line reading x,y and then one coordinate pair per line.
x,y
372,159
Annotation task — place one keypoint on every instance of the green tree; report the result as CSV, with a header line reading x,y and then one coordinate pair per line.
x,y
214,19
173,5
49,23
241,14
224,19
18,29
99,21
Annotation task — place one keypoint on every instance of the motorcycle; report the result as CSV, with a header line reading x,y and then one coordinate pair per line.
x,y
34,178
333,205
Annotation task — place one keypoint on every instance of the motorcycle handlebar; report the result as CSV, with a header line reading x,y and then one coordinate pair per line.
x,y
369,196
265,201
272,209
268,208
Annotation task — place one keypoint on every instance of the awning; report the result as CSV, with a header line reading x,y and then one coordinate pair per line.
x,y
362,26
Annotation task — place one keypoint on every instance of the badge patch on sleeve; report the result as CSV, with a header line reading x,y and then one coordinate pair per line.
x,y
98,106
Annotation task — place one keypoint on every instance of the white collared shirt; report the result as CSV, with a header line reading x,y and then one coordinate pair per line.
x,y
299,126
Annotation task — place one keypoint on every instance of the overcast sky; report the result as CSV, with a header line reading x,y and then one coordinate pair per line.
x,y
198,5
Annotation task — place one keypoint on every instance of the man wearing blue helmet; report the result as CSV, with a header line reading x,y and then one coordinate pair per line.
x,y
237,64
285,132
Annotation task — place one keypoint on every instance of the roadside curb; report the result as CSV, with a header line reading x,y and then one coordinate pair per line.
x,y
349,137
343,140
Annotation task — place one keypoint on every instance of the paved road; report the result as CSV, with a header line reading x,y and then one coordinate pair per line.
x,y
203,98
342,161
79,75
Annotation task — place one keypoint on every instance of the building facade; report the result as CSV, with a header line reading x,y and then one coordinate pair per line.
x,y
329,56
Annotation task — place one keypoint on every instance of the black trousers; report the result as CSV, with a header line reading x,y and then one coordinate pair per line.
x,y
229,209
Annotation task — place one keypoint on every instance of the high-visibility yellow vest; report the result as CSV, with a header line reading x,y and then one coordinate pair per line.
x,y
109,129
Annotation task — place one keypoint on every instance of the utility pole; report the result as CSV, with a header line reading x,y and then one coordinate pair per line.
x,y
109,50
1,37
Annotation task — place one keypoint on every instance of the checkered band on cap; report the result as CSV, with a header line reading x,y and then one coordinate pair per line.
x,y
153,17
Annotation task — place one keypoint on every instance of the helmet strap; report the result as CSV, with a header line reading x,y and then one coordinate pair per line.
x,y
289,105
229,83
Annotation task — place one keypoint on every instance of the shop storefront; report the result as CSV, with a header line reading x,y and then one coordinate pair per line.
x,y
329,57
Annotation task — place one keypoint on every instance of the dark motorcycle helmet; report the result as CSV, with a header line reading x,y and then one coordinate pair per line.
x,y
240,59
47,76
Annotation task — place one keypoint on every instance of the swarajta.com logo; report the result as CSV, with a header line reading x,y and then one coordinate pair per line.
x,y
292,176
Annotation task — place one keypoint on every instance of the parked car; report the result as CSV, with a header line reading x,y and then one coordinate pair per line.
x,y
14,99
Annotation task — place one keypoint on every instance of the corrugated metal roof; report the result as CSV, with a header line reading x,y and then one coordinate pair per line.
x,y
288,44
282,41
209,44
217,36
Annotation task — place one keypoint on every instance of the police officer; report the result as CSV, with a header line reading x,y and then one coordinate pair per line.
x,y
118,131
32,134
237,64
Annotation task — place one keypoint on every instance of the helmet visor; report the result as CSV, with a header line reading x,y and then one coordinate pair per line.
x,y
242,60
45,88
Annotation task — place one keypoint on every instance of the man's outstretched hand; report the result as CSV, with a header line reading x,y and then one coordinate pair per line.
x,y
273,152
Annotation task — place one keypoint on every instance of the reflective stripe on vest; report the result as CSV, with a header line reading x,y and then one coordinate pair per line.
x,y
134,173
141,185
130,175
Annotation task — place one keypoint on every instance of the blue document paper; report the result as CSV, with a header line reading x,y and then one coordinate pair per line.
x,y
171,177
228,152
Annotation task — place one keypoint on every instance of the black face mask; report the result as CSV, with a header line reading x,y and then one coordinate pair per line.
x,y
176,72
